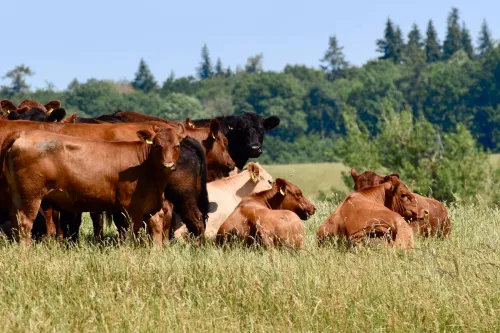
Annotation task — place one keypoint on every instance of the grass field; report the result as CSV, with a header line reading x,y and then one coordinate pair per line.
x,y
442,285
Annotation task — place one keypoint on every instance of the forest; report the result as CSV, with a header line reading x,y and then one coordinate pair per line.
x,y
450,88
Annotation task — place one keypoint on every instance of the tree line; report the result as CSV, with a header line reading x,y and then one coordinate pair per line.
x,y
449,84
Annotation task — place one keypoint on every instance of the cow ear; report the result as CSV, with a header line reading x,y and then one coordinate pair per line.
x,y
70,120
214,128
145,136
271,123
56,115
281,183
254,172
13,115
189,123
7,106
24,110
354,174
53,105
181,129
395,175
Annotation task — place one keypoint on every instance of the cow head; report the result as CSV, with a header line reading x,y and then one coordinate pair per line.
x,y
34,111
261,180
401,200
218,157
246,135
293,199
165,145
368,179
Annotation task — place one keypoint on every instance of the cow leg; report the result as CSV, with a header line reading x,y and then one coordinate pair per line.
x,y
155,227
121,224
70,223
168,211
23,213
50,226
98,223
56,217
192,218
404,236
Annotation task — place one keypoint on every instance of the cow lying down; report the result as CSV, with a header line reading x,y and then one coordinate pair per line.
x,y
271,217
80,175
225,194
374,212
436,224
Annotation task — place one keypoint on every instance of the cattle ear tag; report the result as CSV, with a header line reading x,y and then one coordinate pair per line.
x,y
230,128
282,192
8,111
253,176
149,142
213,136
50,111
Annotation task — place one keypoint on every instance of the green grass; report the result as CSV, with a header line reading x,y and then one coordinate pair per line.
x,y
442,285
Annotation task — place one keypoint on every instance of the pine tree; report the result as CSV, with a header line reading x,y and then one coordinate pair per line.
x,y
18,78
413,51
219,70
485,43
453,41
144,79
229,72
432,46
334,60
467,41
392,45
205,70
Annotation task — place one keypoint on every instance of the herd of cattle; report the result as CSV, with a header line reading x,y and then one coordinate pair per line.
x,y
179,179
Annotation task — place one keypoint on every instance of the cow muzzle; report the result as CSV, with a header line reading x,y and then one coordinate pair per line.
x,y
255,150
169,166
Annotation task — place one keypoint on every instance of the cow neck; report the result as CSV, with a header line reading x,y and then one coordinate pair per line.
x,y
394,204
235,184
272,198
375,193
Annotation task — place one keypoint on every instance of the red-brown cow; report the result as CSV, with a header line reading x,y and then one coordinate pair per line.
x,y
81,175
271,217
374,212
436,224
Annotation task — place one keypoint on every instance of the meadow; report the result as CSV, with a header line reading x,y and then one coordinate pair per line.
x,y
441,285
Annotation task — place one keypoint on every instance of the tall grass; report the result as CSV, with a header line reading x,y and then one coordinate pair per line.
x,y
442,285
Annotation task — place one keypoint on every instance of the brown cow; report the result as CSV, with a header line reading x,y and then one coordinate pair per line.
x,y
32,110
438,223
81,175
271,217
219,162
374,212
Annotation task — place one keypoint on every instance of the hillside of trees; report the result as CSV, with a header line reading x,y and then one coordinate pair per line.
x,y
449,83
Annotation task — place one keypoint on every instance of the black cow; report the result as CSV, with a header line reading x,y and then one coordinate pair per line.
x,y
245,134
37,114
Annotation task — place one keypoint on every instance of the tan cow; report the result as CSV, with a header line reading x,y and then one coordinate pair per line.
x,y
271,217
436,224
374,212
226,194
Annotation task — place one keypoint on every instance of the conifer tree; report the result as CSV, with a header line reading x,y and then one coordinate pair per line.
x,y
219,70
432,46
205,70
467,41
334,62
485,43
144,79
453,41
391,46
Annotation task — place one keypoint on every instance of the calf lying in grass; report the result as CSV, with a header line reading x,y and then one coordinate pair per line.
x,y
271,217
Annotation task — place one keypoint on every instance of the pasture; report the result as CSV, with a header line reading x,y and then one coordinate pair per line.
x,y
442,285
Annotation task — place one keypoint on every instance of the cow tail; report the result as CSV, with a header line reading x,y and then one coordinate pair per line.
x,y
7,144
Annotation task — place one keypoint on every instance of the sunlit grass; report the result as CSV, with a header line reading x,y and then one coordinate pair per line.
x,y
442,285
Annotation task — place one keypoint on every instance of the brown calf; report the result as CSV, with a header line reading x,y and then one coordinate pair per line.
x,y
374,212
436,224
271,217
81,175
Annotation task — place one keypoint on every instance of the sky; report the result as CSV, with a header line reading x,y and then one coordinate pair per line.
x,y
63,40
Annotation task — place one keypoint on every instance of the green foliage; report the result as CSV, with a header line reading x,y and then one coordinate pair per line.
x,y
144,79
205,70
18,77
334,62
453,41
391,46
485,44
466,41
432,46
254,64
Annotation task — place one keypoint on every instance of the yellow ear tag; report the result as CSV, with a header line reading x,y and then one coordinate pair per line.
x,y
230,128
191,125
149,142
253,176
50,111
213,136
8,111
282,192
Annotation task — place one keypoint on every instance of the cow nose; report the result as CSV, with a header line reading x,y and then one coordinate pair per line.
x,y
256,147
169,166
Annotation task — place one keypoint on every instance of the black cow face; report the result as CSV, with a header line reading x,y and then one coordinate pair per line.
x,y
36,114
245,134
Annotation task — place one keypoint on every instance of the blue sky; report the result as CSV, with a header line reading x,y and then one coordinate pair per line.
x,y
62,40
